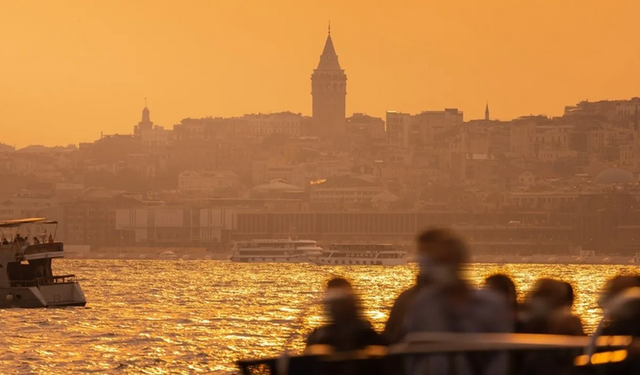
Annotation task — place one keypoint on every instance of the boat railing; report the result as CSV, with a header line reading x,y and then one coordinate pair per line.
x,y
48,280
64,279
43,248
390,360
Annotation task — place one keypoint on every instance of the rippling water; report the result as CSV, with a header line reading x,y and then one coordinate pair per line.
x,y
158,317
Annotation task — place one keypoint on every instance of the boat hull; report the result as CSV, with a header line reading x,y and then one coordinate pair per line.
x,y
359,262
269,260
54,295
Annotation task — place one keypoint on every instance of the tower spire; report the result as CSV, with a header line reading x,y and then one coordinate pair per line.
x,y
146,116
329,58
486,111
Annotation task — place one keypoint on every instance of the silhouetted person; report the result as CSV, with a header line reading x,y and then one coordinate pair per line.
x,y
347,330
449,304
50,239
548,311
615,287
504,285
4,241
36,240
616,302
621,307
39,272
394,329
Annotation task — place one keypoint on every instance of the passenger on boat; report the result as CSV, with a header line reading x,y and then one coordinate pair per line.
x,y
4,241
394,329
35,240
615,286
347,330
50,239
548,311
621,304
450,304
19,238
39,272
504,285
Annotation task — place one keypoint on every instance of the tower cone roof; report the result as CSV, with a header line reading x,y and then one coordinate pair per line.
x,y
329,58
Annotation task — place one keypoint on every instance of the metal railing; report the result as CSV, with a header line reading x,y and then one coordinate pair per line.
x,y
612,351
38,281
64,279
43,248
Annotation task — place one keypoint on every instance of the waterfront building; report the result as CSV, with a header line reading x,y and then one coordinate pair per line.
x,y
418,132
207,181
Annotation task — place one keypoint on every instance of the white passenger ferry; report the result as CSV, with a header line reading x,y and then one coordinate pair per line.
x,y
26,277
362,254
275,251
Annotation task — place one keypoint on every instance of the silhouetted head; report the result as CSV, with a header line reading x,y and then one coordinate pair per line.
x,y
554,292
548,296
570,294
339,282
340,301
616,286
504,285
443,245
441,253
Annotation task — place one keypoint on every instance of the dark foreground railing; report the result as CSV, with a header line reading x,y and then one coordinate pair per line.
x,y
612,353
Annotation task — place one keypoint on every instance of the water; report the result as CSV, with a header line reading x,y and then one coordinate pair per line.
x,y
157,317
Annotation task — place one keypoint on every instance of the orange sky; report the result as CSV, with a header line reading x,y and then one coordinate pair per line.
x,y
71,69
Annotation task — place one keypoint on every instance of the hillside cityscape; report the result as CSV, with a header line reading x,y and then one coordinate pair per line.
x,y
530,185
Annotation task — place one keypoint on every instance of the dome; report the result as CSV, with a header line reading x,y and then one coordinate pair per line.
x,y
614,176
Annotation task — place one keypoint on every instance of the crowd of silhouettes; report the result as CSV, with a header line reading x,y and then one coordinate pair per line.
x,y
442,300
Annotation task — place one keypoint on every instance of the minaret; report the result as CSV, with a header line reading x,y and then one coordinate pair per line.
x,y
145,123
329,92
636,130
486,112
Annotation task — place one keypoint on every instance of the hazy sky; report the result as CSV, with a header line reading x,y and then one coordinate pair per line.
x,y
71,69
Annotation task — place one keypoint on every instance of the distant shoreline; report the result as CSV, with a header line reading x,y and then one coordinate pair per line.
x,y
478,259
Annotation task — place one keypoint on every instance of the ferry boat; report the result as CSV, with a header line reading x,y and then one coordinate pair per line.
x,y
362,254
168,254
26,277
275,251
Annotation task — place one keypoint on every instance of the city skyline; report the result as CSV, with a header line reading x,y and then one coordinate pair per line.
x,y
91,77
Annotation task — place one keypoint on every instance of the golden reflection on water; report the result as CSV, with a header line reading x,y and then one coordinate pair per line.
x,y
160,317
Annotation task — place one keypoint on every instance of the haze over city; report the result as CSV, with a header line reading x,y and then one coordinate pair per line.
x,y
207,186
73,69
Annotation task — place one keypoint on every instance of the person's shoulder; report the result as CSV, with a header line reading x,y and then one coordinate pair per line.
x,y
566,324
317,336
426,296
407,293
490,302
405,297
489,297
